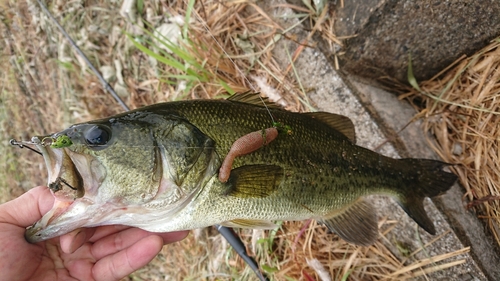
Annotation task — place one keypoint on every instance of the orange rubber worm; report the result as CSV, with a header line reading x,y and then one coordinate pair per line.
x,y
245,145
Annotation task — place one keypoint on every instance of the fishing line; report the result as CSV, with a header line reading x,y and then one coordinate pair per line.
x,y
87,61
56,186
205,26
22,144
230,236
105,84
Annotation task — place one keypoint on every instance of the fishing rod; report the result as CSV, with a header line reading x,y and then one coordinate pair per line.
x,y
227,233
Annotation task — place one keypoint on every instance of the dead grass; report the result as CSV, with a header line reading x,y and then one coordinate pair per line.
x,y
46,87
461,109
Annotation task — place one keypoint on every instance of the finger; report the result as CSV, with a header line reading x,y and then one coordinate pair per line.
x,y
103,231
118,241
79,264
171,237
27,208
123,239
124,262
70,242
168,237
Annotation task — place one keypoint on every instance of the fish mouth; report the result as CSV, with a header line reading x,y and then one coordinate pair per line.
x,y
86,193
73,179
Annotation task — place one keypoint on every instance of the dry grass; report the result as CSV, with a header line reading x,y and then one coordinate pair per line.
x,y
461,109
46,87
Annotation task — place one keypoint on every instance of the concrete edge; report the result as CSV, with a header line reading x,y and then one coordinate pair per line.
x,y
412,143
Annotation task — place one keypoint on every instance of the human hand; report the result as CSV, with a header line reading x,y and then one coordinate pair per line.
x,y
100,253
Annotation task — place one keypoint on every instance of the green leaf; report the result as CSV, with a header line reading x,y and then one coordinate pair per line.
x,y
65,65
140,6
320,5
227,87
308,4
411,78
166,59
184,77
346,275
269,269
189,11
262,241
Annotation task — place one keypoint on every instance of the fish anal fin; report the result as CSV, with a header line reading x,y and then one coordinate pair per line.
x,y
338,122
248,223
254,99
355,224
254,181
414,207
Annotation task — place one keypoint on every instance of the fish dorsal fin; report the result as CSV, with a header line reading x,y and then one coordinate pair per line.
x,y
356,224
247,223
254,181
338,122
254,99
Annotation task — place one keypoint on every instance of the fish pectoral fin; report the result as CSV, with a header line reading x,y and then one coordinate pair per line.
x,y
247,223
254,181
356,224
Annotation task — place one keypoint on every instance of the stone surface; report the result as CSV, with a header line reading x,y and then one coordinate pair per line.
x,y
395,115
436,33
332,92
354,15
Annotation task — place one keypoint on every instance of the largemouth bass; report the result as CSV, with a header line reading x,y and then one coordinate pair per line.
x,y
157,168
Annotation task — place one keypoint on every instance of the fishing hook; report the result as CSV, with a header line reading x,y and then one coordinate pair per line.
x,y
14,142
56,185
227,233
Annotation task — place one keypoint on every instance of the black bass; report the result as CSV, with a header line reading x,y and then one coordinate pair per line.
x,y
157,168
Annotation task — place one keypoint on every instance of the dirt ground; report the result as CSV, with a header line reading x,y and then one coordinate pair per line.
x,y
46,87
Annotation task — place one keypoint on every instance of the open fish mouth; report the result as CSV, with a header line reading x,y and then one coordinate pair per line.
x,y
73,180
63,177
87,193
156,168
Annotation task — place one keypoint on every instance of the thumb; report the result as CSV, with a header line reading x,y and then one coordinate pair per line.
x,y
27,208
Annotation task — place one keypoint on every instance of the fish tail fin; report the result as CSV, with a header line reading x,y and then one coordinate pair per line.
x,y
429,180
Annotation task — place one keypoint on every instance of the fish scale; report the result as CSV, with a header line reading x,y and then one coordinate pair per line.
x,y
312,169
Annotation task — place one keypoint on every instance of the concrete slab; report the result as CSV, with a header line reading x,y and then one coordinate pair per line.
x,y
394,115
338,94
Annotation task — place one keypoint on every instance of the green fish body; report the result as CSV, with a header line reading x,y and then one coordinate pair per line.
x,y
156,168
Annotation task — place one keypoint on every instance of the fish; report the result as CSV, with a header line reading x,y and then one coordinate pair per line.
x,y
157,168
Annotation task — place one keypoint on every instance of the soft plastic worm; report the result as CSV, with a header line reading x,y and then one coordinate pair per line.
x,y
245,145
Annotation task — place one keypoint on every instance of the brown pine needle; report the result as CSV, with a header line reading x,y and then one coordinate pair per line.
x,y
465,121
44,81
432,260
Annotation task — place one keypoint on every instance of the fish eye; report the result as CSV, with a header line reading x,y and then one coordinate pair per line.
x,y
97,136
